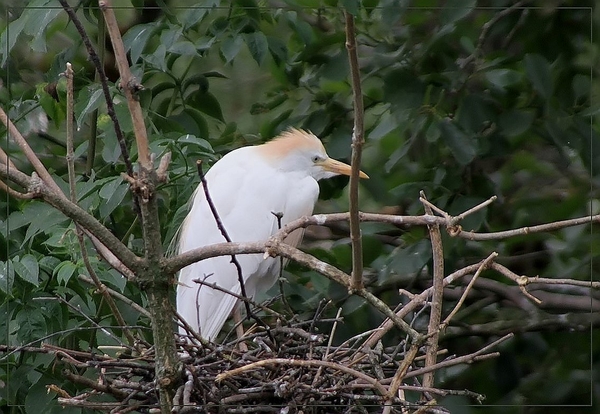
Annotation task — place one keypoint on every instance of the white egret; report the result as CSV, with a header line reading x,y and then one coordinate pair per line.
x,y
247,186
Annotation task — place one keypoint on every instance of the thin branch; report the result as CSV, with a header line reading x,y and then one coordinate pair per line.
x,y
14,193
358,139
485,30
437,296
215,213
31,157
214,285
129,84
401,374
303,363
416,301
78,310
110,109
117,295
475,356
484,265
342,278
541,228
73,196
70,121
4,159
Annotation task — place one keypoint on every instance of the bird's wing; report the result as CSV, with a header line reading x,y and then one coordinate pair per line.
x,y
245,195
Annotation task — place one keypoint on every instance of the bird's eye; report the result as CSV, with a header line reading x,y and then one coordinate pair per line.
x,y
316,158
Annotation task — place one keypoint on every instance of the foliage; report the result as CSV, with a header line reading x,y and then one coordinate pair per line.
x,y
464,102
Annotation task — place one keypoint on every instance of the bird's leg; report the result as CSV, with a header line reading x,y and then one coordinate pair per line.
x,y
239,328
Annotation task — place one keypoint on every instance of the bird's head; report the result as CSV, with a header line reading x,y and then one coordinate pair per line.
x,y
302,151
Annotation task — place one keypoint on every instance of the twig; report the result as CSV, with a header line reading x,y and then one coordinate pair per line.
x,y
117,295
400,375
214,285
279,215
110,109
215,213
556,225
483,266
342,278
129,84
436,298
70,155
485,29
477,355
29,154
472,210
358,139
4,159
417,300
73,196
174,264
94,323
14,193
302,363
521,281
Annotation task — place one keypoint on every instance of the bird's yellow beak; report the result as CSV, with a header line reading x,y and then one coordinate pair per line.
x,y
338,167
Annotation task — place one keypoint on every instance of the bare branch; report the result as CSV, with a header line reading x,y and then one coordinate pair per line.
x,y
303,363
358,139
31,157
215,213
485,264
475,356
117,295
14,193
110,109
437,297
542,228
129,84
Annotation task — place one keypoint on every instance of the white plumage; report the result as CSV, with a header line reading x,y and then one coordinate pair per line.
x,y
247,186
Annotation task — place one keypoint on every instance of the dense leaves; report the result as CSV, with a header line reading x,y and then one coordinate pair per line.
x,y
463,102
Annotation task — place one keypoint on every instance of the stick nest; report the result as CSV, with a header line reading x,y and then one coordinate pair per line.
x,y
285,369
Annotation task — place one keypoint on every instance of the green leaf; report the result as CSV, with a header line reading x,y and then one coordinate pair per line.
x,y
113,192
189,120
258,45
38,21
537,69
231,47
184,48
64,271
28,269
188,139
7,276
461,145
191,16
158,59
137,37
208,103
515,122
89,99
42,218
9,38
502,78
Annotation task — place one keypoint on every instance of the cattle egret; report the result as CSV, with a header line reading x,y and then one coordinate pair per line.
x,y
247,186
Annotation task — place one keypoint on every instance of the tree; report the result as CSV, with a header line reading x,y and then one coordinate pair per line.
x,y
463,103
